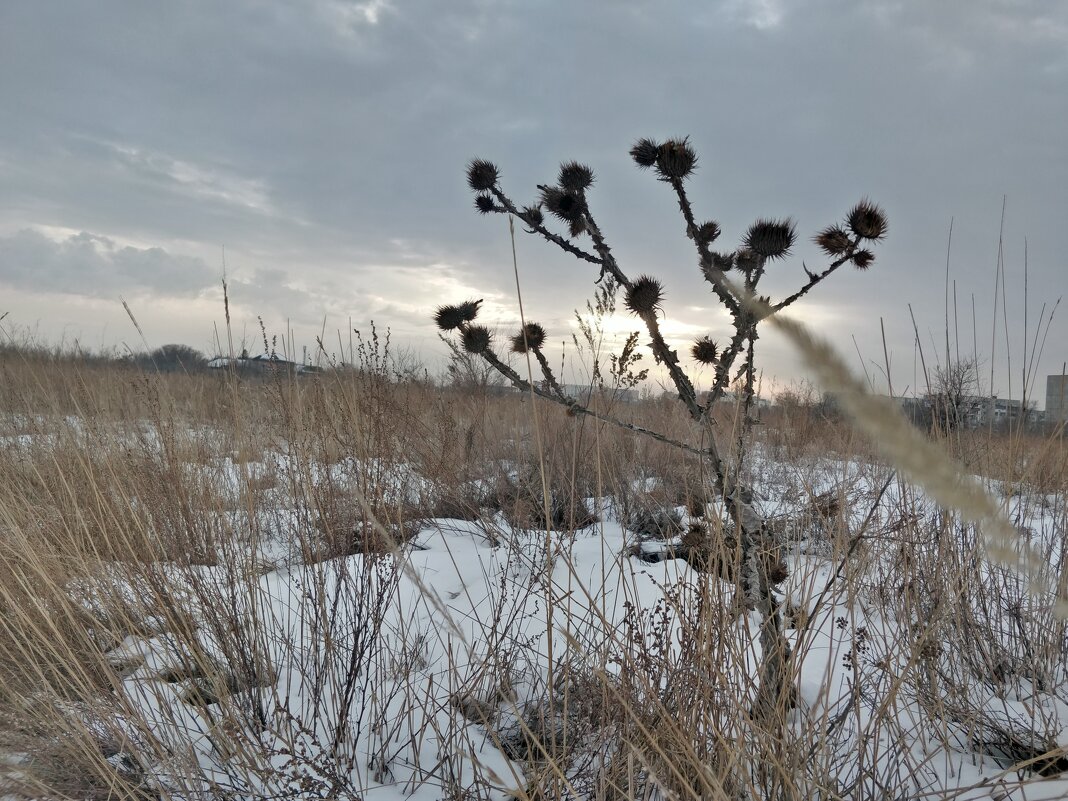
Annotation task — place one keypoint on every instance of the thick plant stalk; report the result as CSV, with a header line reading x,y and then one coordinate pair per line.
x,y
766,241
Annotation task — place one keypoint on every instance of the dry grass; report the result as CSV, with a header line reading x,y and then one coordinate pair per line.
x,y
141,507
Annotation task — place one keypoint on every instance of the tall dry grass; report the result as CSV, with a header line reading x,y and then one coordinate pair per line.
x,y
137,507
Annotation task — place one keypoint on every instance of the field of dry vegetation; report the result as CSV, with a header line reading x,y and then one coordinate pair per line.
x,y
354,585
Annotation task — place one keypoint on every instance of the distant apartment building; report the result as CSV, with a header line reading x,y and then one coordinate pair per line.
x,y
1057,398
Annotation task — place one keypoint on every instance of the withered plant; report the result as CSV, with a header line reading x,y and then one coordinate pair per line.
x,y
734,277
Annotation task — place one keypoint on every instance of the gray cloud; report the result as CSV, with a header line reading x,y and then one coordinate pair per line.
x,y
322,142
95,266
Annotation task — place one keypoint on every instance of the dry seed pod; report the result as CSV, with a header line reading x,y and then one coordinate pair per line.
x,y
644,295
482,175
476,339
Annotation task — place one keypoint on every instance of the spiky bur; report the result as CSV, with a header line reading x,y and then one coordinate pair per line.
x,y
482,175
485,204
833,240
533,215
560,203
476,339
530,337
747,260
722,261
575,177
644,153
705,350
771,239
449,318
863,259
867,221
644,295
675,159
707,232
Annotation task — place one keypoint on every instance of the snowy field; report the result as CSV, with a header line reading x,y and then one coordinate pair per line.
x,y
435,657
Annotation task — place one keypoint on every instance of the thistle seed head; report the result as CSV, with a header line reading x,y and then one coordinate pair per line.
x,y
448,317
644,295
485,204
644,153
675,159
705,351
476,339
722,261
771,239
482,175
534,215
469,309
833,240
530,337
708,232
747,260
565,205
867,221
575,177
577,227
863,259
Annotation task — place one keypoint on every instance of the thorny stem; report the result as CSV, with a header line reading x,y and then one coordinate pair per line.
x,y
707,267
815,278
760,545
540,228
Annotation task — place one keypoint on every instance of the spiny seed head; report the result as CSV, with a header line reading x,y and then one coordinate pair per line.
x,y
482,175
833,240
705,351
644,295
863,259
476,339
675,159
747,260
722,261
450,317
708,232
534,215
485,204
644,153
469,309
565,205
530,337
575,177
577,227
867,221
771,239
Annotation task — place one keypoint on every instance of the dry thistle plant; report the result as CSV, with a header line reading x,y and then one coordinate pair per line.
x,y
766,242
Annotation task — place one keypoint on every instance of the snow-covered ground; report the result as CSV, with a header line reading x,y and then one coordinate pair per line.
x,y
448,667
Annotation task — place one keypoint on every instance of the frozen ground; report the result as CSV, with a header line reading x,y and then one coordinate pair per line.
x,y
424,673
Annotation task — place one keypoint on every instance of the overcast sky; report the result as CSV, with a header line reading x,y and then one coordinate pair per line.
x,y
322,143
